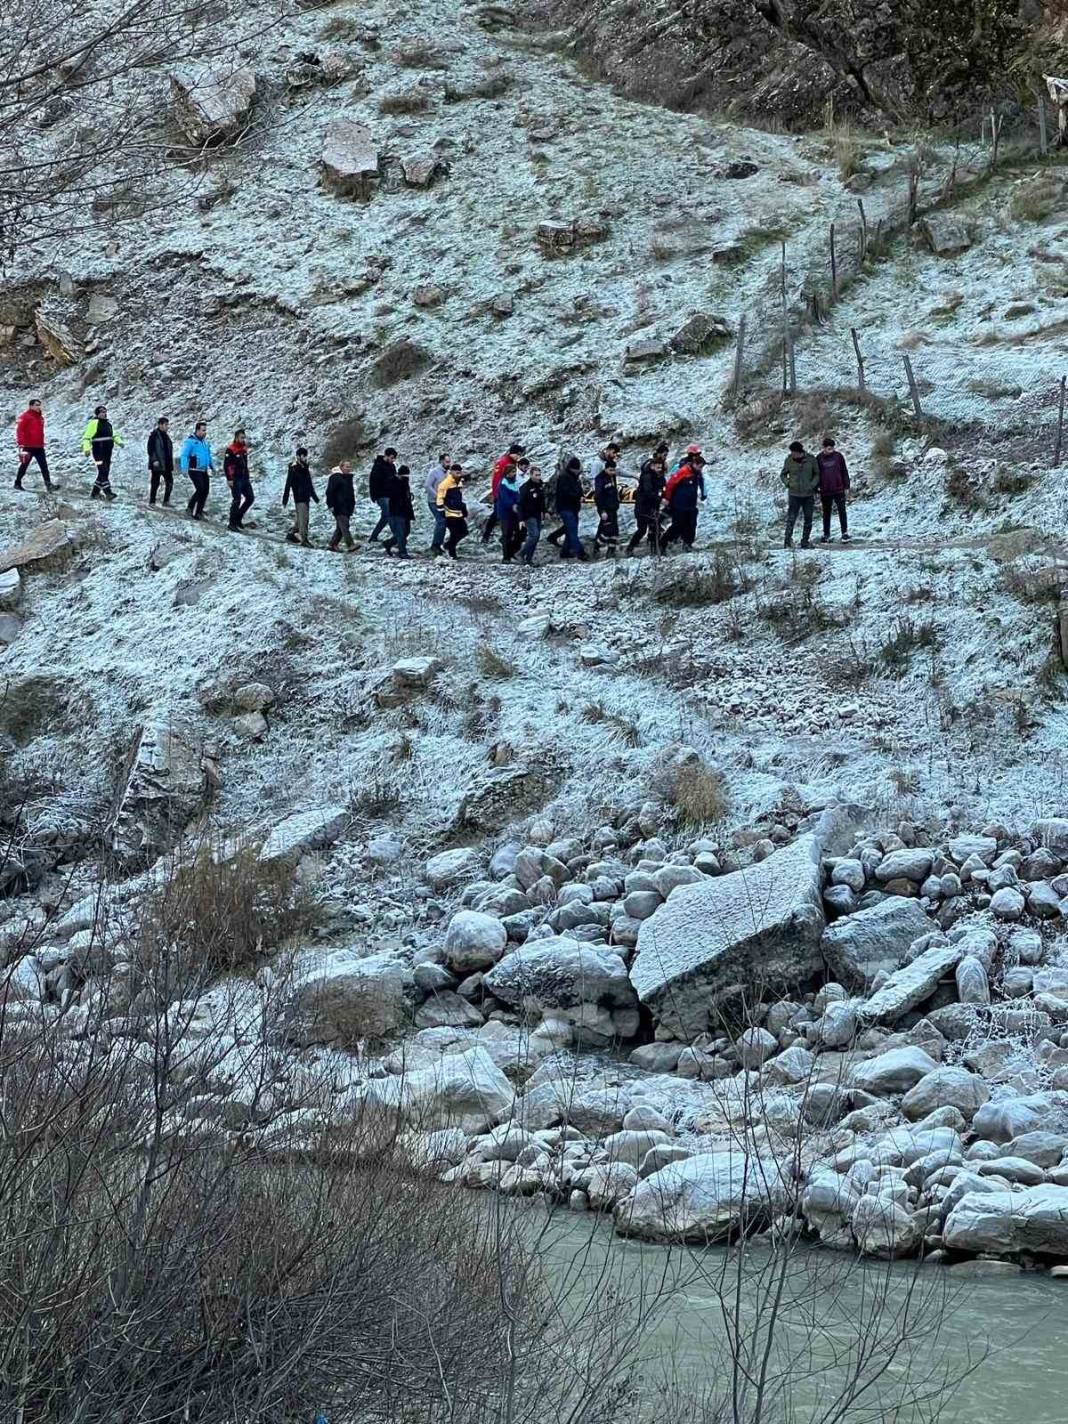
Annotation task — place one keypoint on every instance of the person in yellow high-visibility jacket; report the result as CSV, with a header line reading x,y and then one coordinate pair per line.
x,y
99,440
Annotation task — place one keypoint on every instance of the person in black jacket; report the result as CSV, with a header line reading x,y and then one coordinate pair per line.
x,y
650,491
379,484
568,507
160,461
455,511
401,514
606,496
341,502
300,485
532,512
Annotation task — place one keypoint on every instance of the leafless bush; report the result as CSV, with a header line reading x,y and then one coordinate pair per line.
x,y
700,795
598,714
908,637
492,664
696,587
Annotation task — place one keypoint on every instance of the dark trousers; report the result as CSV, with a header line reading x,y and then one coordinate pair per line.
x,y
102,457
241,500
383,517
155,476
457,530
399,529
35,453
802,504
683,526
342,531
645,526
488,527
831,502
511,536
533,535
199,497
608,530
569,520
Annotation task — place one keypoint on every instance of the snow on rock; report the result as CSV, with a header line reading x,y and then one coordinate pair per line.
x,y
704,1198
945,1087
910,986
452,867
561,973
1004,1223
462,1090
758,927
474,941
503,795
38,547
894,1071
10,588
212,105
166,782
350,159
341,997
859,947
303,831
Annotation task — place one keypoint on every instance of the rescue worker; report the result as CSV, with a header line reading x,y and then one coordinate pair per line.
x,y
532,513
681,495
507,463
99,440
606,498
647,501
30,442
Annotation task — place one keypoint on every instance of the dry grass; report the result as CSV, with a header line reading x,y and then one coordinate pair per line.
x,y
598,714
692,587
908,637
404,101
420,54
344,439
701,796
491,664
1036,199
399,362
31,707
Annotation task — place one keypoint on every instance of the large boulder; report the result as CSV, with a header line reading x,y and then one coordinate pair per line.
x,y
704,1198
895,1071
304,831
342,998
462,1090
452,867
503,795
943,1088
40,545
911,986
474,941
350,159
212,105
756,929
560,973
1007,1118
1004,1223
875,941
166,781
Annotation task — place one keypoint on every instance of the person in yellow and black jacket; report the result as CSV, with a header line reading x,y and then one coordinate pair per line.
x,y
451,503
99,440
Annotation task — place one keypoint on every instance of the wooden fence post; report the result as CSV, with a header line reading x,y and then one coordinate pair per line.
x,y
863,232
791,365
1043,136
914,390
1059,446
736,380
785,325
834,268
861,384
914,189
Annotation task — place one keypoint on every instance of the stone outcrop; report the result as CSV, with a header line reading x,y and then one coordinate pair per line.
x,y
1004,1223
342,998
350,160
167,781
704,1198
755,930
212,105
504,795
40,546
304,831
910,986
871,942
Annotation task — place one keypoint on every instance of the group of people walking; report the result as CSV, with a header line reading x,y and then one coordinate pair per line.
x,y
666,498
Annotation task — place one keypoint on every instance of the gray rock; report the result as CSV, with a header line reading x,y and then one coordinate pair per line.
x,y
341,998
911,863
350,160
794,1065
561,973
1007,1223
474,941
1008,904
894,1071
657,1057
946,1087
212,105
452,867
946,233
873,941
448,1009
1018,1170
631,1145
882,1228
1043,900
755,1047
165,783
640,904
973,986
1052,833
840,899
910,986
704,1198
1044,1149
1011,1117
504,794
659,1157
849,873
963,847
758,926
304,831
462,1090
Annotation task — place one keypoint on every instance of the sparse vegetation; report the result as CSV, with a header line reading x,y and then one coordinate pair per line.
x,y
908,637
1013,480
598,714
492,665
1036,198
701,797
404,101
693,587
32,707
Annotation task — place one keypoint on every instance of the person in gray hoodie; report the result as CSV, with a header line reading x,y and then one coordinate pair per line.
x,y
801,476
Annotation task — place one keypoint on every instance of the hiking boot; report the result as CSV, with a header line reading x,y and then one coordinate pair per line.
x,y
788,544
109,494
847,538
806,543
825,538
528,562
18,485
95,492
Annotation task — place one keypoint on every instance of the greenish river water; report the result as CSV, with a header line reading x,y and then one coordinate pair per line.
x,y
1006,1334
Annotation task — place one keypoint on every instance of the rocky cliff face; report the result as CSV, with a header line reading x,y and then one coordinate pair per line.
x,y
787,60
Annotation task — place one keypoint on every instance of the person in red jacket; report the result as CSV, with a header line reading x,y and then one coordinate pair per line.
x,y
30,439
506,465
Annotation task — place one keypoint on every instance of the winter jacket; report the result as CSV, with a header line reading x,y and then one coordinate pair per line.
x,y
606,493
235,461
161,452
101,434
651,483
380,480
500,469
599,464
299,485
801,477
683,490
447,484
834,475
451,499
532,500
568,492
507,497
340,493
29,430
400,499
196,455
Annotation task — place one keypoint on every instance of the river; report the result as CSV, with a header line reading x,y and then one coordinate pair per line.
x,y
1003,1337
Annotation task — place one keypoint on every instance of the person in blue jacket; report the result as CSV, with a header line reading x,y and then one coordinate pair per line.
x,y
195,461
506,508
684,489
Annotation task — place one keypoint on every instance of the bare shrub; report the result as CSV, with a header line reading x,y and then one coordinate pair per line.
x,y
223,915
32,706
695,587
908,637
1035,199
492,664
404,101
1013,481
399,362
598,714
700,795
